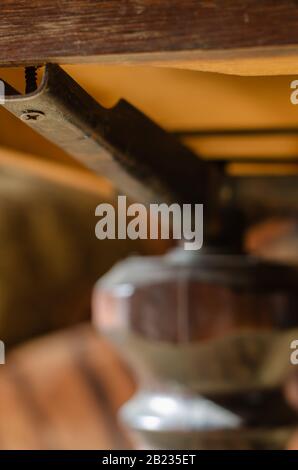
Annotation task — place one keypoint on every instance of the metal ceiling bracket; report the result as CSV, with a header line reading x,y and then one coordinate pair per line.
x,y
121,143
143,161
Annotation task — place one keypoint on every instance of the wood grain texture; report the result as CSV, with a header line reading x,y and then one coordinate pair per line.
x,y
63,391
78,30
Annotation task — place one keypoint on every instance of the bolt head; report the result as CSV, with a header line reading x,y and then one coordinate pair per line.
x,y
32,115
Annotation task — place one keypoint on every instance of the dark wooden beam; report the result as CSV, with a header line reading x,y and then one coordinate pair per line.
x,y
39,31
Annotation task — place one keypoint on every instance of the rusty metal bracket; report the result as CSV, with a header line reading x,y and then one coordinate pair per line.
x,y
121,143
144,161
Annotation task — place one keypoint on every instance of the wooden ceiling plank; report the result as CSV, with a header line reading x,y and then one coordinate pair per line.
x,y
132,31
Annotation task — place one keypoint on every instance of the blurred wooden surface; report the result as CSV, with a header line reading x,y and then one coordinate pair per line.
x,y
63,392
50,257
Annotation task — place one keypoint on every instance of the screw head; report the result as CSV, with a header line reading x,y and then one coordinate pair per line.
x,y
32,115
